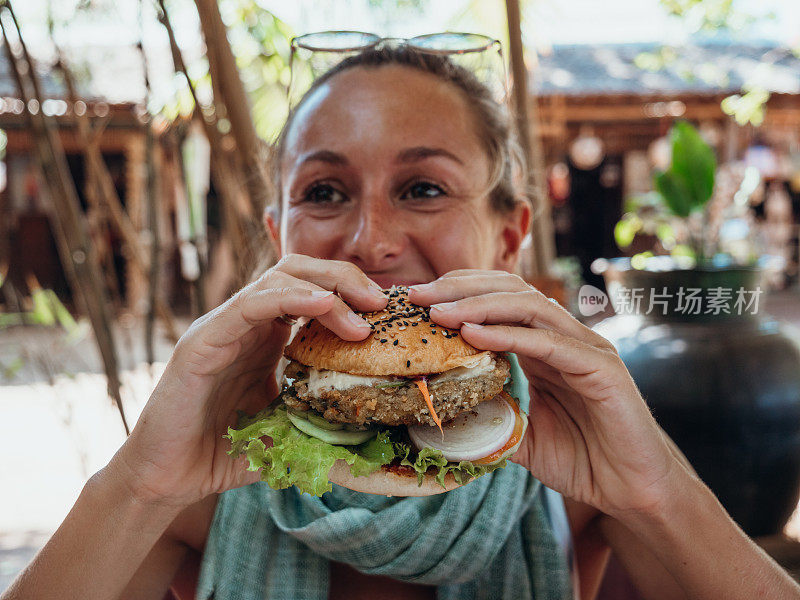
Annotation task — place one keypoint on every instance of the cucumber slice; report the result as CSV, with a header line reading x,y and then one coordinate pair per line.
x,y
322,423
336,438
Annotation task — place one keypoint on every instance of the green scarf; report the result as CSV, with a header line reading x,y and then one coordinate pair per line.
x,y
491,539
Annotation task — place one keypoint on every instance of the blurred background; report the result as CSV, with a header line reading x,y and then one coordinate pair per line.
x,y
134,139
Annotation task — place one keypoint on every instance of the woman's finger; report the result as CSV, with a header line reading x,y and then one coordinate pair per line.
x,y
470,283
342,277
252,307
529,308
341,319
596,372
464,272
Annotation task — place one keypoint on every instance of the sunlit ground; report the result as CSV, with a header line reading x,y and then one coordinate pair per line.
x,y
54,437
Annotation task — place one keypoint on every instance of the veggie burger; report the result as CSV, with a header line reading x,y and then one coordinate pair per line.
x,y
412,410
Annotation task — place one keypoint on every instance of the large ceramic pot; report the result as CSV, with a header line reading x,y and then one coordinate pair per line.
x,y
724,386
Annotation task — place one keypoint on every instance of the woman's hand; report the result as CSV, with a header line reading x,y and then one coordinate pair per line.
x,y
226,362
591,435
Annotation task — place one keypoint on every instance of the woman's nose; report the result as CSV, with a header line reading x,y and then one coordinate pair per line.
x,y
376,237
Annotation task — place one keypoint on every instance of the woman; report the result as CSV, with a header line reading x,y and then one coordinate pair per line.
x,y
397,168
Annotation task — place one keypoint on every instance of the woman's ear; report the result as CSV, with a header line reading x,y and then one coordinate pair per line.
x,y
516,225
272,229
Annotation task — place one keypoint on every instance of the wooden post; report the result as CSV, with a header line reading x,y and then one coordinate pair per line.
x,y
528,127
108,194
77,253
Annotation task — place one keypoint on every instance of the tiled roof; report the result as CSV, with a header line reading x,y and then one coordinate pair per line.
x,y
706,68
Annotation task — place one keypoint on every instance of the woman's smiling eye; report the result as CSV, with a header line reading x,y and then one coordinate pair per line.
x,y
323,193
422,190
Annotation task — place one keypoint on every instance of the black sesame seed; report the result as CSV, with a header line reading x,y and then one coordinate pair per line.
x,y
424,341
414,324
394,343
433,332
383,340
408,363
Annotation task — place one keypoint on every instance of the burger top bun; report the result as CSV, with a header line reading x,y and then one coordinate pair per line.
x,y
404,342
390,482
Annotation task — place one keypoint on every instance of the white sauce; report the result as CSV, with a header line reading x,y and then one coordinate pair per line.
x,y
334,380
473,366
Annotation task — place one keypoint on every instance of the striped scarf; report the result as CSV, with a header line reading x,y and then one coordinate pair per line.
x,y
492,539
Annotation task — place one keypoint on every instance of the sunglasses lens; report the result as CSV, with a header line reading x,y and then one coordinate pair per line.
x,y
335,41
452,43
315,53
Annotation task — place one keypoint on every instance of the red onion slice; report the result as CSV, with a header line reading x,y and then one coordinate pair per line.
x,y
474,434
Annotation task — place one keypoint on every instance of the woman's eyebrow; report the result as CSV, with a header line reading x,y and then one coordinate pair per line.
x,y
326,156
422,152
408,155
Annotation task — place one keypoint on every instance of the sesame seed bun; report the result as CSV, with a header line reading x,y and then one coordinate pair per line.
x,y
404,342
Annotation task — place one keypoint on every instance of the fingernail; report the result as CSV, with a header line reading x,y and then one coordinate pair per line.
x,y
320,293
444,306
357,321
473,325
420,287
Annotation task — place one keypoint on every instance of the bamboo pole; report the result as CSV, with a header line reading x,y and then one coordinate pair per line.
x,y
152,207
77,253
225,75
96,218
240,225
528,127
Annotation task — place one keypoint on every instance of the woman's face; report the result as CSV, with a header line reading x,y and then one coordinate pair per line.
x,y
383,168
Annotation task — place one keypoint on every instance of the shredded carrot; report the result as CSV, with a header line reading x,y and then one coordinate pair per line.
x,y
422,384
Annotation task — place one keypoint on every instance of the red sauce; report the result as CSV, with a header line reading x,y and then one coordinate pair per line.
x,y
399,469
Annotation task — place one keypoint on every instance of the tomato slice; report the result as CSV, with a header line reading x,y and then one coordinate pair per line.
x,y
516,435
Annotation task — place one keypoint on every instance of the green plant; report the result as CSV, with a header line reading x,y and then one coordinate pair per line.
x,y
688,184
45,310
688,213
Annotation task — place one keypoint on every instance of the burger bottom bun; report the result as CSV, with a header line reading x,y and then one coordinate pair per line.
x,y
390,482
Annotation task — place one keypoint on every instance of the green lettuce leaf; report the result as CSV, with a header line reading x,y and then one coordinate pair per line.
x,y
428,458
299,459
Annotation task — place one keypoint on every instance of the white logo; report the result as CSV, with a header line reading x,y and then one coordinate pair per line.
x,y
591,300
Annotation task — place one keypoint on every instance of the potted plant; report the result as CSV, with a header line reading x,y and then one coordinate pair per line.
x,y
722,377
